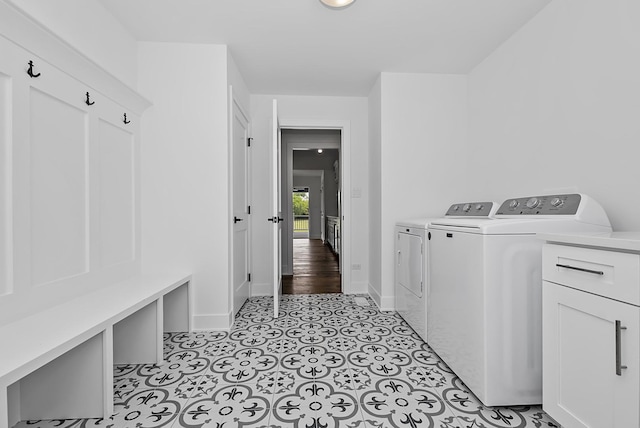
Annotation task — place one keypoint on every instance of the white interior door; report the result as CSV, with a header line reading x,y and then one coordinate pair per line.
x,y
276,205
240,150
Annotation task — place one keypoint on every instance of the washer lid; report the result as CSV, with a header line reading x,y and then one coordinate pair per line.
x,y
472,225
518,226
420,223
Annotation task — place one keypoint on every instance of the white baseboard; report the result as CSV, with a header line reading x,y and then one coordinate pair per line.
x,y
388,303
261,289
359,287
374,294
385,303
212,322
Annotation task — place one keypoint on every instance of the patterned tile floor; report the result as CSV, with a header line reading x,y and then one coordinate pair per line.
x,y
326,362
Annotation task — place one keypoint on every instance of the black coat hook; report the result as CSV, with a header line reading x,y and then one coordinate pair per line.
x,y
88,101
125,119
30,71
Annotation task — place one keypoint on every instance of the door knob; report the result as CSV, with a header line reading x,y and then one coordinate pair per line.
x,y
236,219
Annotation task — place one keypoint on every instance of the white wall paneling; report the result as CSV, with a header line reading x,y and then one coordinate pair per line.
x,y
58,185
117,194
68,196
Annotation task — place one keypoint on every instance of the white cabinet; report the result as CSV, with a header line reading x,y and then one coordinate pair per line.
x,y
333,233
591,333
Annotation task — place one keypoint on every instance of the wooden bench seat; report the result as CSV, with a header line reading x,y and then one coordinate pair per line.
x,y
58,363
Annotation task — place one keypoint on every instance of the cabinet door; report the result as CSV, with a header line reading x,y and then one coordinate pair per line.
x,y
409,256
580,384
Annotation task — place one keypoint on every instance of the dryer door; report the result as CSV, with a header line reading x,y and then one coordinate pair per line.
x,y
410,263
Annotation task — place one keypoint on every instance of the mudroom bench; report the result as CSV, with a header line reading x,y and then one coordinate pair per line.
x,y
58,363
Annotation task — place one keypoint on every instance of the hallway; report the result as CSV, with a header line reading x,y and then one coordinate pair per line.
x,y
315,269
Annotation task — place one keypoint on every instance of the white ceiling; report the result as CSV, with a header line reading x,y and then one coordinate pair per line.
x,y
300,47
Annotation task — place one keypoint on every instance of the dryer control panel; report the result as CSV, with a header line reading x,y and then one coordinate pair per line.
x,y
541,205
471,209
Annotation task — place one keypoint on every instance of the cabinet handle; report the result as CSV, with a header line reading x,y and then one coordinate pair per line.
x,y
595,272
619,365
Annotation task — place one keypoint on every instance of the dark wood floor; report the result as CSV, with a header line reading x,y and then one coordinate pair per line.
x,y
315,269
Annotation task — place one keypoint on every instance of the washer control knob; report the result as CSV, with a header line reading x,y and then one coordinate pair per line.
x,y
533,202
514,204
556,202
466,208
455,208
479,207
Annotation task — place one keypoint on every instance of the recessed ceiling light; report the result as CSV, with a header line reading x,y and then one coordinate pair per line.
x,y
337,4
319,150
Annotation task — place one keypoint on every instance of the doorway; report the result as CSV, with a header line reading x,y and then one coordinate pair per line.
x,y
301,218
311,159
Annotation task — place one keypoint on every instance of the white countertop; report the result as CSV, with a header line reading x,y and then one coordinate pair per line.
x,y
629,241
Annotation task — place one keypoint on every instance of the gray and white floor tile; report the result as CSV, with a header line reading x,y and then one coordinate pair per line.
x,y
328,361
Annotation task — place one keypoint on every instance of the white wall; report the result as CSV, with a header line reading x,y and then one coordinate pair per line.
x,y
421,161
236,80
90,28
558,107
352,109
185,223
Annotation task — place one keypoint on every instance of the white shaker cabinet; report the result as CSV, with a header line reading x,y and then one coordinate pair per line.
x,y
591,330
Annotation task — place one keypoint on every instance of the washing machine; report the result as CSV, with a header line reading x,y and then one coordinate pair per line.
x,y
411,263
484,313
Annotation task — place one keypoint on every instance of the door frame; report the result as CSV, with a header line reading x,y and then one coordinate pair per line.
x,y
344,126
287,259
233,104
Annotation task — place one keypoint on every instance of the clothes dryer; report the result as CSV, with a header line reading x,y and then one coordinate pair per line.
x,y
484,313
410,274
